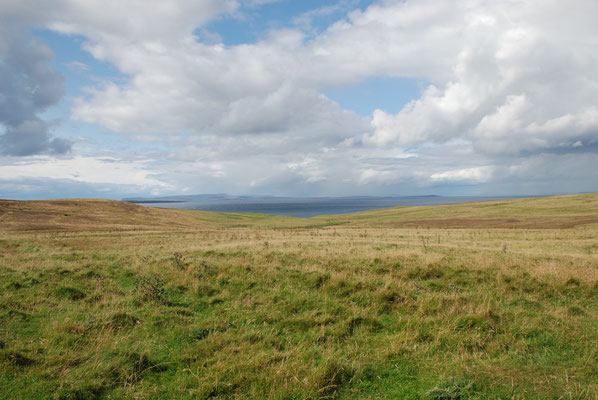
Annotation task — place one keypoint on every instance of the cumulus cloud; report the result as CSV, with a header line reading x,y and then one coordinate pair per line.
x,y
28,86
89,170
508,86
523,81
31,137
131,21
470,175
478,58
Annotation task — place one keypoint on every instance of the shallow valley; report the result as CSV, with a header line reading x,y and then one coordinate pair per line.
x,y
104,299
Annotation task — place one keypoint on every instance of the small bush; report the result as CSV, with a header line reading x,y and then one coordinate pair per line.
x,y
151,288
178,261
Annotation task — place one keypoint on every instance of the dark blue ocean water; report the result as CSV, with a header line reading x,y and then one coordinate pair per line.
x,y
309,207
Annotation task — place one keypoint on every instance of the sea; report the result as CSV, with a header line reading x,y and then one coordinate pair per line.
x,y
312,206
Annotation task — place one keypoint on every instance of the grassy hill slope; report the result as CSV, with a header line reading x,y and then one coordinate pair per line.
x,y
543,212
94,214
114,300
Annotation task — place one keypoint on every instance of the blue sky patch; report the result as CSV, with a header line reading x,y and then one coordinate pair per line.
x,y
384,93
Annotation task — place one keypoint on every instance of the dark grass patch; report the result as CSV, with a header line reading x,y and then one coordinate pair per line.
x,y
392,296
30,282
200,333
452,390
344,287
70,293
14,285
207,290
17,314
222,390
316,280
180,289
575,311
432,271
128,368
372,325
398,377
480,323
389,298
68,257
58,271
137,365
16,359
334,376
120,321
440,286
573,282
83,392
90,274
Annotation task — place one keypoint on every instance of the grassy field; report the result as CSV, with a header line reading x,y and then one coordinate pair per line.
x,y
109,300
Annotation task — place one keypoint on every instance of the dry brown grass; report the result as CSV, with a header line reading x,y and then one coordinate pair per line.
x,y
92,215
354,306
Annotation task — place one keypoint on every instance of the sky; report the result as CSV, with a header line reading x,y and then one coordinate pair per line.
x,y
121,98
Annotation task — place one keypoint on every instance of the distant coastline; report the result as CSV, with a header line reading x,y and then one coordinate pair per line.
x,y
302,207
154,201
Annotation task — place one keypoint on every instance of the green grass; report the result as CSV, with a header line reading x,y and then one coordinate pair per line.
x,y
344,307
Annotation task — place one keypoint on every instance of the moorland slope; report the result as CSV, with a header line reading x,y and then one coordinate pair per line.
x,y
89,214
106,300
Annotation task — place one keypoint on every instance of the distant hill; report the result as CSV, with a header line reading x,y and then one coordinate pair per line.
x,y
95,214
199,198
223,197
91,214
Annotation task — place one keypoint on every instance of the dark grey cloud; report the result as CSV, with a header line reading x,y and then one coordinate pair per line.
x,y
29,85
31,137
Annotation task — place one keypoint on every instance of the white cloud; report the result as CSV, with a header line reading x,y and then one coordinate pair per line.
x,y
81,169
309,170
468,175
254,3
28,87
149,22
524,81
507,82
476,56
372,175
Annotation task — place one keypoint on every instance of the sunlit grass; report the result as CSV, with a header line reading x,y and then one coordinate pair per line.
x,y
272,309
